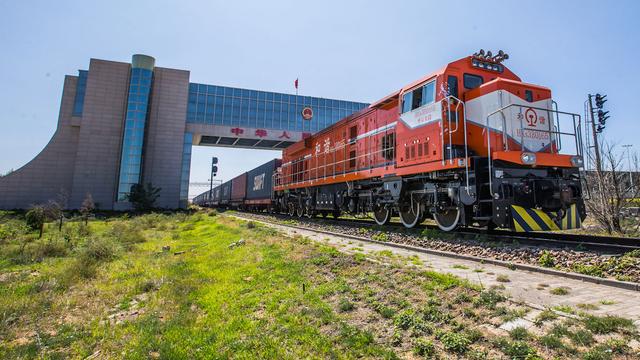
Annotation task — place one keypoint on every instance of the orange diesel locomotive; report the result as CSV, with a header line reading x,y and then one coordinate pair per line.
x,y
470,144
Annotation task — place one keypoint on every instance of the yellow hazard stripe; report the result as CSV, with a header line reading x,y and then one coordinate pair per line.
x,y
546,219
526,217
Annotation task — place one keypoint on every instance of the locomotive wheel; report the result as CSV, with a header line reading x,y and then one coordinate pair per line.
x,y
382,215
324,214
335,214
449,220
292,210
410,217
309,212
299,211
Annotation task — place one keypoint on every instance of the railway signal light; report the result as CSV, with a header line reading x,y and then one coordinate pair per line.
x,y
600,100
602,116
214,168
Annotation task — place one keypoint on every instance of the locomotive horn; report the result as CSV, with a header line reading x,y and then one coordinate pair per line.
x,y
489,55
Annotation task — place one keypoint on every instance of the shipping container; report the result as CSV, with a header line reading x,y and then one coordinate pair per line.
x,y
239,188
260,182
216,195
225,193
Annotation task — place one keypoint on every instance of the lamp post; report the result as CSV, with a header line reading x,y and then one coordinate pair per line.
x,y
628,146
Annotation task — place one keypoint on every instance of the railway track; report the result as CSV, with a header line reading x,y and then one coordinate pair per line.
x,y
602,244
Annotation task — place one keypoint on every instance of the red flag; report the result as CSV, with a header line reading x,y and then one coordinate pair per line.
x,y
295,83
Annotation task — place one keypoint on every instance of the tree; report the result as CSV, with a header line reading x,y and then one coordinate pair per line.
x,y
609,191
87,208
53,210
36,217
143,197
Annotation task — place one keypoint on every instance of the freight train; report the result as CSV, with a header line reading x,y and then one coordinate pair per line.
x,y
470,144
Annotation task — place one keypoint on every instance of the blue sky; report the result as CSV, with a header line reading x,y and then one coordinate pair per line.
x,y
354,50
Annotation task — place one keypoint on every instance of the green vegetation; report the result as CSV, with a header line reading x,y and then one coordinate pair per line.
x,y
519,333
206,285
546,259
606,324
460,266
559,291
143,196
382,237
545,315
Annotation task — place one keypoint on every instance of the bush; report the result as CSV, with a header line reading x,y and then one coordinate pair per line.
x,y
98,249
126,234
143,197
149,221
53,247
424,347
36,218
455,342
489,299
546,259
93,252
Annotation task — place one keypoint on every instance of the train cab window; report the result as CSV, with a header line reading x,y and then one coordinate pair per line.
x,y
421,96
528,95
452,84
472,81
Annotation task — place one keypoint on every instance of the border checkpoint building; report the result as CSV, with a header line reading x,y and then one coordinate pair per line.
x,y
125,123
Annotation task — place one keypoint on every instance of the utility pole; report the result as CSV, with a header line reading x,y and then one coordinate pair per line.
x,y
594,133
628,146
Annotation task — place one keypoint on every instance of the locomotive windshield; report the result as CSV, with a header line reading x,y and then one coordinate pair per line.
x,y
419,97
472,81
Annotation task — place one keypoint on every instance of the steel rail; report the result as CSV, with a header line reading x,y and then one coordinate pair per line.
x,y
608,244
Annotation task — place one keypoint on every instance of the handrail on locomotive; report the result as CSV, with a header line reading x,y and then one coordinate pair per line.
x,y
554,135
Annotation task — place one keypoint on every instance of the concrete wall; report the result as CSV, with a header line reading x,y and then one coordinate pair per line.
x,y
51,172
165,134
98,153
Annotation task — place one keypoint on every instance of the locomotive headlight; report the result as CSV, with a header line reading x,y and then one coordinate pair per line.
x,y
577,161
528,158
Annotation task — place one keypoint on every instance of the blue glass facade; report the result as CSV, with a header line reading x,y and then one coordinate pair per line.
x,y
78,102
135,122
220,105
186,166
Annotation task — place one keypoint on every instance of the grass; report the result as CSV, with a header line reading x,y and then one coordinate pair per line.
x,y
460,266
171,286
502,278
606,324
544,316
560,291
